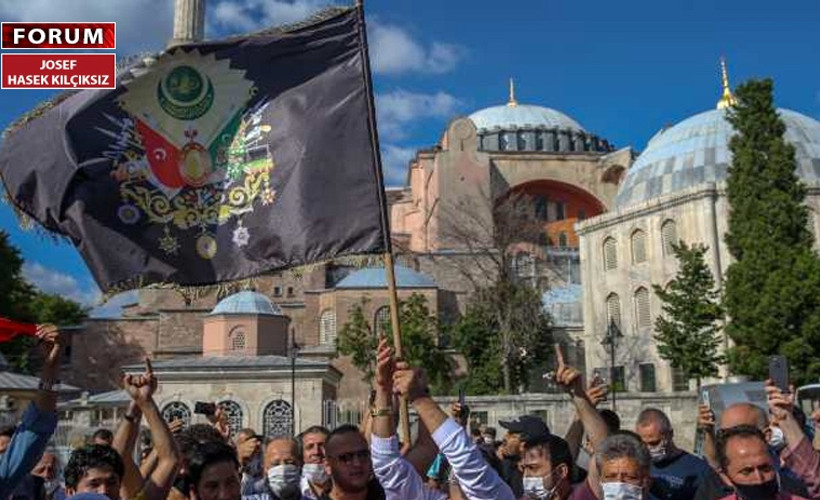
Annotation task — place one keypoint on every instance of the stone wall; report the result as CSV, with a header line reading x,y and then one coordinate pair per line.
x,y
558,412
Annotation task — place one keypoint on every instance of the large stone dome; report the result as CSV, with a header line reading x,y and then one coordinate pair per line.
x,y
696,151
522,116
247,302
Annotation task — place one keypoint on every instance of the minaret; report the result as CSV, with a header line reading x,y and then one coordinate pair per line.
x,y
727,98
512,102
189,21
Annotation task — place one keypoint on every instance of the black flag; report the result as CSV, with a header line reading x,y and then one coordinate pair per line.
x,y
213,161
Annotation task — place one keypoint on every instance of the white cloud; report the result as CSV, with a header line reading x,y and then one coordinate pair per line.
x,y
58,283
393,51
396,110
141,24
231,16
394,162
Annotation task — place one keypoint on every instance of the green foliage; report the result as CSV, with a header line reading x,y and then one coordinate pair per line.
x,y
20,301
504,329
687,332
772,291
419,334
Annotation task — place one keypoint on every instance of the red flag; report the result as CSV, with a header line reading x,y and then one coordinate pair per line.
x,y
162,156
10,329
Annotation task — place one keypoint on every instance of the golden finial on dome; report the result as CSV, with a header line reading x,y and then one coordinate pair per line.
x,y
727,98
512,102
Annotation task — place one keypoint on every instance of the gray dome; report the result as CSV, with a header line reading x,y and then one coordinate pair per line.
x,y
696,151
522,115
247,302
376,277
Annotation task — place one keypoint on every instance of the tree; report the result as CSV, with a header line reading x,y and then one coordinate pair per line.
x,y
688,331
504,313
504,331
772,291
20,301
419,334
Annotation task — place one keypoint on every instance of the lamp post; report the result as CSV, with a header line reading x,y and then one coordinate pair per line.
x,y
293,352
613,333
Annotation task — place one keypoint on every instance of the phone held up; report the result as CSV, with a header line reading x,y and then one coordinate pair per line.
x,y
779,372
203,408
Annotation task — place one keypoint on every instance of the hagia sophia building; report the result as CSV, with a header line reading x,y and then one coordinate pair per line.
x,y
608,217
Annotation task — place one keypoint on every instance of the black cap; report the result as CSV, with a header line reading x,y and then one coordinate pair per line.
x,y
531,428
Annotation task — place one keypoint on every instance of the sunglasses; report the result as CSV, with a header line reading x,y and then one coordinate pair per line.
x,y
346,458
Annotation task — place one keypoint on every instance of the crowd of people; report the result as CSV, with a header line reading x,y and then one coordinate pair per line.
x,y
749,452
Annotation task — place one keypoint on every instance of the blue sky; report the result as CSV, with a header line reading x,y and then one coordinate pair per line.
x,y
622,69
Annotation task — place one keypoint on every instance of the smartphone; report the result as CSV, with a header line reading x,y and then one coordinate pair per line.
x,y
704,398
779,372
203,408
462,397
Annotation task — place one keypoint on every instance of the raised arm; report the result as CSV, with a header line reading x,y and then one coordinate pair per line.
x,y
397,476
476,478
570,380
799,456
39,421
141,389
124,442
706,425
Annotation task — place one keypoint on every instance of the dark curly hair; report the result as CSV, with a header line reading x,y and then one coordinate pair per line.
x,y
92,456
206,454
197,434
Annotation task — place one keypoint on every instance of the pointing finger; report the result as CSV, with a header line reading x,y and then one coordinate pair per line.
x,y
559,355
149,369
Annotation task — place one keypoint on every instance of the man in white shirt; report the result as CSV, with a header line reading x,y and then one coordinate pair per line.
x,y
478,481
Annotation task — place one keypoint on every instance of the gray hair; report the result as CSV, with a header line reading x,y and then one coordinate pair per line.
x,y
653,415
622,445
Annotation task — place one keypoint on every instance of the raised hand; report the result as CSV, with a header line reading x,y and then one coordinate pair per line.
x,y
567,377
781,405
247,449
706,418
141,388
597,391
177,426
220,422
49,337
385,366
409,382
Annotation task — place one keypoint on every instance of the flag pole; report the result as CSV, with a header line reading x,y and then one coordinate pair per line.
x,y
404,410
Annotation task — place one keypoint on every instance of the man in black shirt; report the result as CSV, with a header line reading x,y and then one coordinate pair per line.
x,y
350,467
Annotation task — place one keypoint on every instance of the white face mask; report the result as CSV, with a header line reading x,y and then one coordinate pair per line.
x,y
657,453
622,491
284,480
315,473
534,488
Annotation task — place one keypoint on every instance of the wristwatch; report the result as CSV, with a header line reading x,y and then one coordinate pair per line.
x,y
381,412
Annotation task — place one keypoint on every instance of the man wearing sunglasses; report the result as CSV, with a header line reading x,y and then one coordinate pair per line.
x,y
348,462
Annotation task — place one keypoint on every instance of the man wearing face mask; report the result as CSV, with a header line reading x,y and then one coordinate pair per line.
x,y
623,465
676,474
546,463
283,465
315,480
714,486
746,464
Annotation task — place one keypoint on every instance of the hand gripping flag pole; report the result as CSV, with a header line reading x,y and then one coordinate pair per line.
x,y
404,411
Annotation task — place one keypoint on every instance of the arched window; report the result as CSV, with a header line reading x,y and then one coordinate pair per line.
x,y
237,337
642,315
327,327
176,410
233,411
669,236
613,309
610,254
638,247
381,320
277,419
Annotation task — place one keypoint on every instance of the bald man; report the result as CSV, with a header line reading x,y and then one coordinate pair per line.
x,y
712,486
